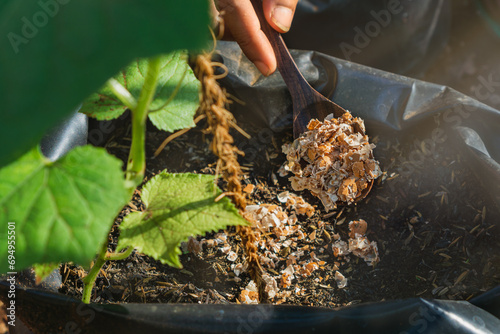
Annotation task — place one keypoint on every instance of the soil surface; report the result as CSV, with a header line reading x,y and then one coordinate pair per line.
x,y
435,230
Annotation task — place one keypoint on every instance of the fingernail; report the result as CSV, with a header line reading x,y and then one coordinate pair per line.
x,y
262,68
282,17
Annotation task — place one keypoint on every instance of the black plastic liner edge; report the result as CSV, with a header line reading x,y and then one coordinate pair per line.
x,y
68,315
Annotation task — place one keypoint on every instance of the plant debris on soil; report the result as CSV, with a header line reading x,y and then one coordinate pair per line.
x,y
430,233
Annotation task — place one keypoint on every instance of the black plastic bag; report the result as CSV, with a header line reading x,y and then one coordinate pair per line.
x,y
403,317
399,36
70,133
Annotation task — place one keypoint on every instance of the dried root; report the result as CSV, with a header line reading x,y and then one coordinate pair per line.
x,y
213,102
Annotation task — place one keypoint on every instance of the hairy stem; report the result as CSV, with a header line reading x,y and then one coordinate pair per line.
x,y
89,280
102,257
122,94
119,256
137,156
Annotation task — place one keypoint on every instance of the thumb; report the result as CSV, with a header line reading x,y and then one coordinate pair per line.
x,y
279,13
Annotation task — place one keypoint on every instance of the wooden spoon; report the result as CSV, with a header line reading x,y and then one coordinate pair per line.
x,y
307,102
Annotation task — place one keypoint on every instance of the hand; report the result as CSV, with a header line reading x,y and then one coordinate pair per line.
x,y
242,25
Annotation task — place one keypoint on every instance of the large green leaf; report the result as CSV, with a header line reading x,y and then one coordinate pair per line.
x,y
177,206
55,53
177,114
62,210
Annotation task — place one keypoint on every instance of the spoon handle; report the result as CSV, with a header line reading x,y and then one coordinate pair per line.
x,y
307,102
294,80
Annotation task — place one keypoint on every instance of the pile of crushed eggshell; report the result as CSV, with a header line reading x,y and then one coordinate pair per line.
x,y
333,160
339,167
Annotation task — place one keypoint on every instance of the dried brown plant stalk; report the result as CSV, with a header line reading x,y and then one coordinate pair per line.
x,y
213,102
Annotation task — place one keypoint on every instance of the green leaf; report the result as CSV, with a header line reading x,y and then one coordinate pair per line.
x,y
103,105
177,206
177,114
62,210
56,53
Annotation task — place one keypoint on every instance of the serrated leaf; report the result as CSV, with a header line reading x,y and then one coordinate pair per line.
x,y
103,105
177,206
62,210
55,53
177,114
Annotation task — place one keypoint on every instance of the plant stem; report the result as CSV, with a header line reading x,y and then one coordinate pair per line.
x,y
102,257
122,94
89,280
119,256
137,156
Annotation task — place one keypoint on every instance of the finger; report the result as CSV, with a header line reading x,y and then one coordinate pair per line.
x,y
279,13
241,20
218,24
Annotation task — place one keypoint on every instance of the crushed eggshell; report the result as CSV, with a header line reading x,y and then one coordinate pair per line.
x,y
357,227
249,188
210,243
296,203
250,294
340,248
225,249
287,275
238,269
271,286
232,256
363,248
220,238
333,160
341,280
358,244
271,220
279,236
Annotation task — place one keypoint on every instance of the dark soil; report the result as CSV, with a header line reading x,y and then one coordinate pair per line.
x,y
435,230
